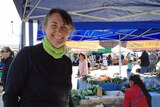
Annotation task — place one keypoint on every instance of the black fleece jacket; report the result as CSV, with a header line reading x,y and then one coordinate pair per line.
x,y
36,79
6,64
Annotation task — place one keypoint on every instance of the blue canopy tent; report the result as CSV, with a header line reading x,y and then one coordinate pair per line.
x,y
120,20
123,31
138,17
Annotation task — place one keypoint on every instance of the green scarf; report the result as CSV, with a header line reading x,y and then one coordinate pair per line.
x,y
54,52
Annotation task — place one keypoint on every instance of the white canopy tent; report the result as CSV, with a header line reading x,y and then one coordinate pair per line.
x,y
116,49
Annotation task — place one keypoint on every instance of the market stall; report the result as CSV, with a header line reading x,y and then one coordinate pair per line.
x,y
104,81
114,99
111,99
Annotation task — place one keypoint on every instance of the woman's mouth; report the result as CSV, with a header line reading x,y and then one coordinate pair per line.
x,y
58,37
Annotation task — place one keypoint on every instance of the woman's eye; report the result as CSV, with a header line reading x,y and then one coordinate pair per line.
x,y
54,26
64,29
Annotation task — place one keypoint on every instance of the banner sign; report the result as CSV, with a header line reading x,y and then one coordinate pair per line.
x,y
83,45
144,45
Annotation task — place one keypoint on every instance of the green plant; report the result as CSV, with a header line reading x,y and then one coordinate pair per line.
x,y
158,73
77,96
92,91
118,80
158,70
151,89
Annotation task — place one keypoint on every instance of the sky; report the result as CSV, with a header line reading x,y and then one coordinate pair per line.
x,y
9,32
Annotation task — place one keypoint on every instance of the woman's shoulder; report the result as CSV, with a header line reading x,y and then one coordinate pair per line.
x,y
133,89
128,90
28,50
31,48
66,59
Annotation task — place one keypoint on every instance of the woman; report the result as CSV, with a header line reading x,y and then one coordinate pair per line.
x,y
137,95
83,65
144,62
7,56
129,69
40,75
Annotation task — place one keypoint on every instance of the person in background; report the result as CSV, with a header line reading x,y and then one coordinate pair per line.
x,y
122,59
153,58
1,65
128,56
144,62
93,63
40,75
129,69
109,59
83,65
89,64
137,95
105,62
7,56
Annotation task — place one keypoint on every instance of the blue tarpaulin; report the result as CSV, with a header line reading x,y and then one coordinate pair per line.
x,y
123,31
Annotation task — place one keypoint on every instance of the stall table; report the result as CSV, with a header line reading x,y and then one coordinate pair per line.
x,y
105,86
111,100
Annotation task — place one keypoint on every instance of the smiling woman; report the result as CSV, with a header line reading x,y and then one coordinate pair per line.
x,y
40,75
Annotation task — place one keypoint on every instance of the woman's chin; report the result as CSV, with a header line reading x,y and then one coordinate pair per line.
x,y
57,45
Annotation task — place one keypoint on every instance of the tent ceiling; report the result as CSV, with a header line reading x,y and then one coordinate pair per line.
x,y
94,10
101,19
117,34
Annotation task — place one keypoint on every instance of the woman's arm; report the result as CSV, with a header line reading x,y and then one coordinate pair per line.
x,y
126,102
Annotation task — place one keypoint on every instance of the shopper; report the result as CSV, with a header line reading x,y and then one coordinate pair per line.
x,y
40,75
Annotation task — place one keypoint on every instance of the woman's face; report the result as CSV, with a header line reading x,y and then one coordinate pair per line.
x,y
81,57
57,31
131,83
4,54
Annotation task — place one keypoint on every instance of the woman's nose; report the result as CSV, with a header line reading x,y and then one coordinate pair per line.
x,y
59,30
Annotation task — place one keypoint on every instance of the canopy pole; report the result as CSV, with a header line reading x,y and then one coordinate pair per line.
x,y
120,57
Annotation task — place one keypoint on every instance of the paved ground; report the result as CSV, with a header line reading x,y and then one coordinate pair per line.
x,y
110,71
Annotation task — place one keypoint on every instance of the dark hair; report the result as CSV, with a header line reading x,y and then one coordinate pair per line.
x,y
65,16
84,56
137,80
8,49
